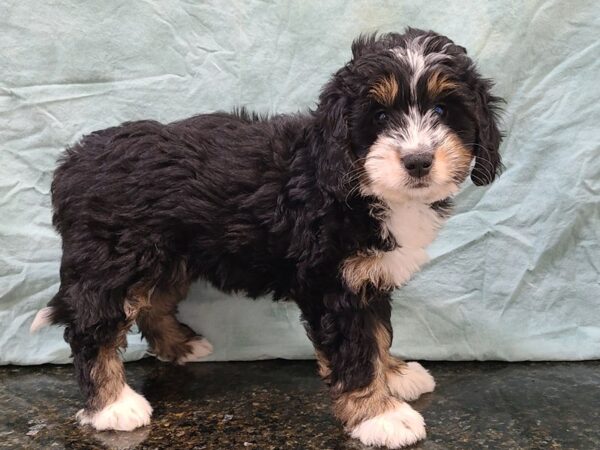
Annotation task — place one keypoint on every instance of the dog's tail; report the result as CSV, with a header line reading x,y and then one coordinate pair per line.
x,y
42,319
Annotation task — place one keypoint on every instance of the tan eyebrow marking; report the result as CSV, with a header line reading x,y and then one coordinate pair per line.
x,y
438,83
385,90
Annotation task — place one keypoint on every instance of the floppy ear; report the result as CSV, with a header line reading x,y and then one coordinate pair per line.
x,y
333,152
332,110
488,136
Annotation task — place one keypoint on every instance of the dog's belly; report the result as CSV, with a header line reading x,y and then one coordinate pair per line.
x,y
253,278
414,226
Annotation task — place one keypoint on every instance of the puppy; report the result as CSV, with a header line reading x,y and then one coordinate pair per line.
x,y
332,209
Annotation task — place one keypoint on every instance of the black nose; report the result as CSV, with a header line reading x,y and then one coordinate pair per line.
x,y
418,165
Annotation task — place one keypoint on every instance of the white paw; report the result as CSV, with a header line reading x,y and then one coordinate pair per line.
x,y
410,382
128,412
200,349
396,428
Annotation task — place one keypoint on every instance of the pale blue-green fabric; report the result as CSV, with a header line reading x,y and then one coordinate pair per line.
x,y
513,276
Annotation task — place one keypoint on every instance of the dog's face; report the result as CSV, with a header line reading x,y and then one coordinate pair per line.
x,y
416,116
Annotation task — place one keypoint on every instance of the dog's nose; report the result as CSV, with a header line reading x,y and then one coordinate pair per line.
x,y
418,165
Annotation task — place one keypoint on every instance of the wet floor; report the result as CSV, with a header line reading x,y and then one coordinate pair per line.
x,y
284,405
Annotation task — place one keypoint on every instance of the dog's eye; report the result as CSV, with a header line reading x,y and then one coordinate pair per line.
x,y
380,117
440,110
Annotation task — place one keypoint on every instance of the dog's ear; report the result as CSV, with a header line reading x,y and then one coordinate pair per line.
x,y
332,115
488,137
333,109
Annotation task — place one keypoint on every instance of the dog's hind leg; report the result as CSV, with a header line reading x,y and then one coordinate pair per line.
x,y
169,339
95,337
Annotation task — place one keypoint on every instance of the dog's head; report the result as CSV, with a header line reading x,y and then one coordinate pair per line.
x,y
409,117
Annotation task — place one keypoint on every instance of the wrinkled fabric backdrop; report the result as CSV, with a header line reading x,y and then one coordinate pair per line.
x,y
515,273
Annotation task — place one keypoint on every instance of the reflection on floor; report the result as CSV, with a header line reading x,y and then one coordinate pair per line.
x,y
283,405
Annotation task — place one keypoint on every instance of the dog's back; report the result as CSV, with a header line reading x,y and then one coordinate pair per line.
x,y
133,203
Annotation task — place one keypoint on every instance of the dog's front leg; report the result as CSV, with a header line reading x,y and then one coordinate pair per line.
x,y
352,336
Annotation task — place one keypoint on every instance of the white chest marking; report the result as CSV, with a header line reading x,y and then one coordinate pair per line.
x,y
414,225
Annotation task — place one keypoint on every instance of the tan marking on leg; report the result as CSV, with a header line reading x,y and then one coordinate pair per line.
x,y
373,414
406,381
384,341
385,90
364,268
438,83
137,300
108,372
323,366
108,375
395,364
357,406
168,338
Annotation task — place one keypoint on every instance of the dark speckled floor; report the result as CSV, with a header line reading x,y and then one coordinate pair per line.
x,y
283,405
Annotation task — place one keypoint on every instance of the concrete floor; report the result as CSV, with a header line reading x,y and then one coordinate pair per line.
x,y
284,405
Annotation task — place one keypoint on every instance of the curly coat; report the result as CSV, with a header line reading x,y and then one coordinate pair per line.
x,y
261,205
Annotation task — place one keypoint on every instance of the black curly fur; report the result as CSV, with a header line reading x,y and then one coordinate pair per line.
x,y
253,204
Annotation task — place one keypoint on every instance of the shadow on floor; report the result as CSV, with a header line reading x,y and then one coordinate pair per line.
x,y
284,405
